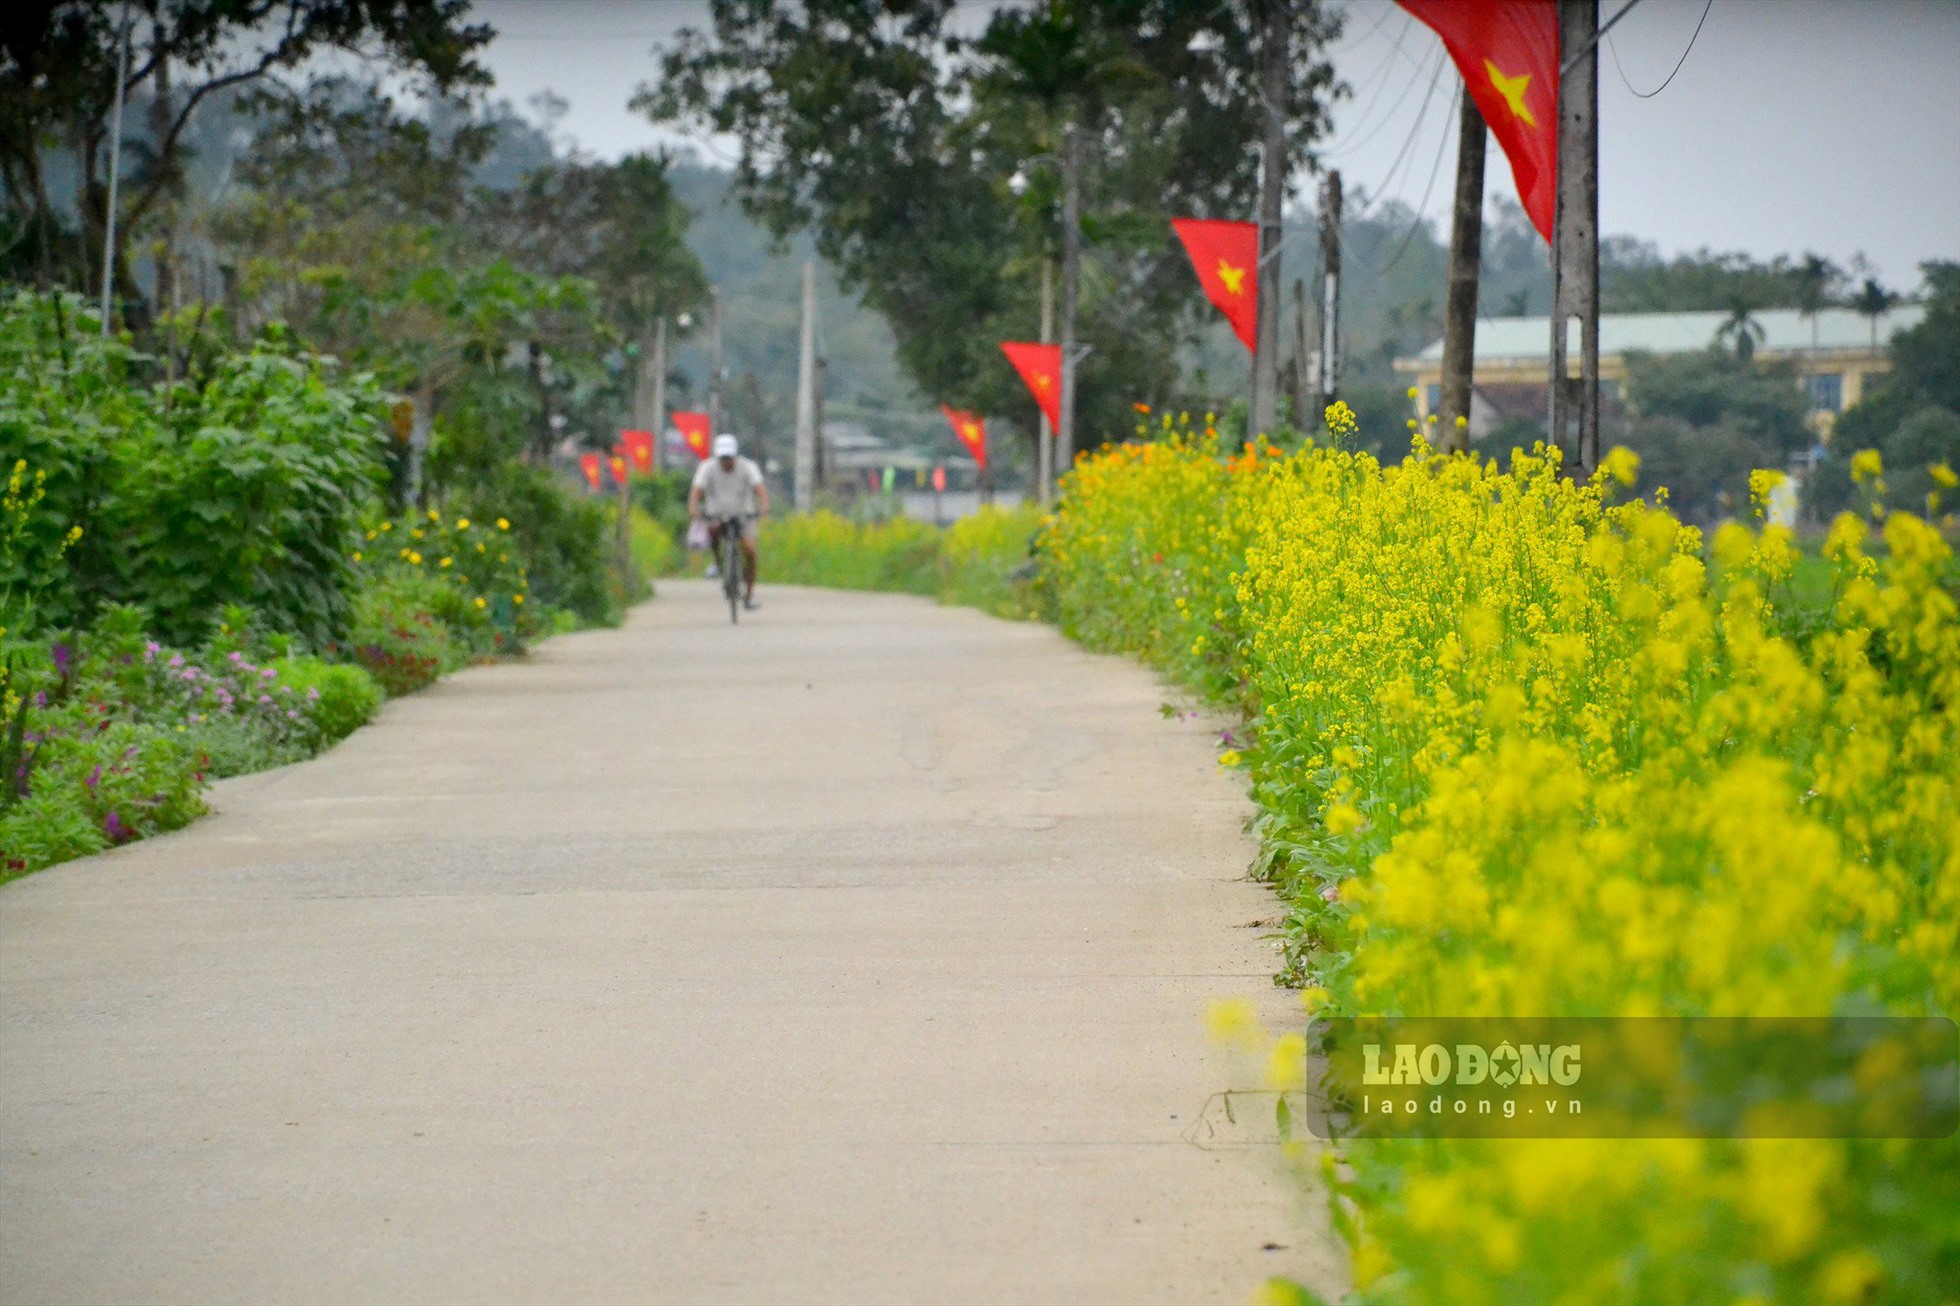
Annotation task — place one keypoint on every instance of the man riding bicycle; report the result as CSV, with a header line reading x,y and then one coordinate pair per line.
x,y
729,488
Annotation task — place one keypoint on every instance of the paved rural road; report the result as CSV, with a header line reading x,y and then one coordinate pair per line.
x,y
856,954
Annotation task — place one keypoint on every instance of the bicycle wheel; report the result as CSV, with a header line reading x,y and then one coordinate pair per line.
x,y
731,570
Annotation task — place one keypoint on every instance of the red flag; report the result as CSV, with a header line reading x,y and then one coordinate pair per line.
x,y
1040,367
1226,255
1507,51
589,464
639,448
971,430
694,429
618,464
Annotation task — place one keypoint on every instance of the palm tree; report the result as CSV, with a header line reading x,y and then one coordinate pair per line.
x,y
1741,329
1874,302
1815,278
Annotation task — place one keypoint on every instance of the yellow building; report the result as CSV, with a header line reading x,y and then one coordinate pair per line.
x,y
1835,356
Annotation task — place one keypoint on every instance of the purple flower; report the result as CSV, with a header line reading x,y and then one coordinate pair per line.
x,y
113,827
237,657
62,659
176,659
40,698
129,754
313,694
93,778
268,673
292,714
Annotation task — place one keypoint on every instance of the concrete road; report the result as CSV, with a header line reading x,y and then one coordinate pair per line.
x,y
857,954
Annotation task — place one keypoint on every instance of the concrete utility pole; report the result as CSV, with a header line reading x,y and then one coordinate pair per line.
x,y
658,418
714,361
1302,351
806,398
115,176
1466,265
816,423
1330,288
1071,284
1575,243
1274,60
1044,454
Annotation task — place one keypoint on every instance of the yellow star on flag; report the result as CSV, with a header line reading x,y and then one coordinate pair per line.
x,y
1042,383
1232,278
972,431
1512,89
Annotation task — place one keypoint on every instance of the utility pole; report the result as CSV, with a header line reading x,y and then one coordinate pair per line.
x,y
1044,454
1466,258
1330,288
1575,241
1301,352
115,175
1071,281
658,425
822,369
806,400
714,361
1272,195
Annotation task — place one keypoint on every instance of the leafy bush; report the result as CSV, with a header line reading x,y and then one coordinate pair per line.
x,y
1518,750
240,485
395,635
565,540
476,582
95,782
340,698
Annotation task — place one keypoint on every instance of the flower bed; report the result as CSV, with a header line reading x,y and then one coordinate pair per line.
x,y
1520,751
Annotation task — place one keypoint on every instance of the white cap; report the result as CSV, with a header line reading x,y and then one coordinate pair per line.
x,y
726,447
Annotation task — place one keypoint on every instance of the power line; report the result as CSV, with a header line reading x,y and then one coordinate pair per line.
x,y
1456,109
1356,136
1415,128
1648,95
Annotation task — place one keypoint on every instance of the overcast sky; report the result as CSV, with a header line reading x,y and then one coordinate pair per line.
x,y
1828,125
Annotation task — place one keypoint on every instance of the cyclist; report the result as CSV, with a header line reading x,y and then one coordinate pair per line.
x,y
727,486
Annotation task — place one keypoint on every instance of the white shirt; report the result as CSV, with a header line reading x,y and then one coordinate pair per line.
x,y
730,493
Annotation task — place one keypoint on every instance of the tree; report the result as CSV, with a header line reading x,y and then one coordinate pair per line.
x,y
1702,422
892,138
1874,301
1816,280
59,61
1741,329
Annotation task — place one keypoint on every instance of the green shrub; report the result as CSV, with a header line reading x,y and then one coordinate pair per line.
x,y
396,637
241,485
339,698
95,782
564,537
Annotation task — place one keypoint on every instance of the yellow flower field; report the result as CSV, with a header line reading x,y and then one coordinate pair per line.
x,y
1519,749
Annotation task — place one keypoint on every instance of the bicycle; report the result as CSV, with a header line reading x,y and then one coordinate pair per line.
x,y
728,559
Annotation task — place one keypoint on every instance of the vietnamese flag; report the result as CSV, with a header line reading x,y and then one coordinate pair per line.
x,y
1040,367
639,448
1226,255
972,432
1507,51
589,464
618,464
694,429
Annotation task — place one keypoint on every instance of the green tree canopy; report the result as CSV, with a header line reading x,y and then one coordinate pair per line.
x,y
893,138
